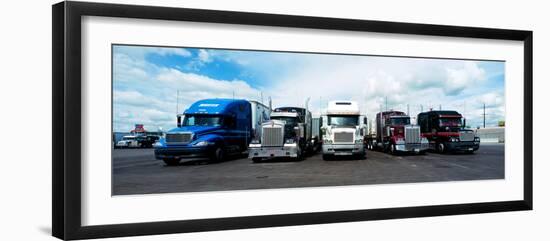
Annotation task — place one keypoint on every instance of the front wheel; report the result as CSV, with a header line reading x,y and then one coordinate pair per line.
x,y
299,155
218,155
441,148
256,159
393,149
326,157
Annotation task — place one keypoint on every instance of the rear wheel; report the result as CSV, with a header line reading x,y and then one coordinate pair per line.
x,y
171,161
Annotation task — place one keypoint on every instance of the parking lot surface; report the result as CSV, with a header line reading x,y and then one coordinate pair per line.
x,y
135,171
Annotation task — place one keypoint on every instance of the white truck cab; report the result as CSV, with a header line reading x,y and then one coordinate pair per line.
x,y
344,129
127,142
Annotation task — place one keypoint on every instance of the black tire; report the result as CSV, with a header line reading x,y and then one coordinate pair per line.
x,y
218,155
441,148
171,161
326,157
299,155
386,148
470,152
256,159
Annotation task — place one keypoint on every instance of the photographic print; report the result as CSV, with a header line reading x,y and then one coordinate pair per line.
x,y
189,119
163,113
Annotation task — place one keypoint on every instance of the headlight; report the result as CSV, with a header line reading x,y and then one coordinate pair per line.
x,y
289,141
328,141
358,141
255,141
202,143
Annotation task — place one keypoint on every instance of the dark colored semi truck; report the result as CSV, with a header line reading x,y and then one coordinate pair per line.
x,y
446,132
288,134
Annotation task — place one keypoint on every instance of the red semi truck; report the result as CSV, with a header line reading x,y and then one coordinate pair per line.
x,y
395,133
445,130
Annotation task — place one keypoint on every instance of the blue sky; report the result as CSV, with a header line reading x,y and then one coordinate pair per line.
x,y
146,81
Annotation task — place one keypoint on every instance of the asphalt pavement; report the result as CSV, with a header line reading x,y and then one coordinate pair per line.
x,y
135,171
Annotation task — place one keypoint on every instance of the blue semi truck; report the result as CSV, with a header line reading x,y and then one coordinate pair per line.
x,y
213,129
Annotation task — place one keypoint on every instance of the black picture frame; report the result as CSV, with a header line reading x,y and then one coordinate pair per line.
x,y
66,152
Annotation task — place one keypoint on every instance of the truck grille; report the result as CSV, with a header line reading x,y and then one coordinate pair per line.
x,y
272,136
466,136
340,137
179,138
412,134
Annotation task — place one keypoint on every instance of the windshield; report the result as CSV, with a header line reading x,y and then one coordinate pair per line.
x,y
451,122
202,120
288,120
344,120
128,138
399,121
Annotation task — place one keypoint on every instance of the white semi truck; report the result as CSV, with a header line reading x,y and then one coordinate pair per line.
x,y
343,130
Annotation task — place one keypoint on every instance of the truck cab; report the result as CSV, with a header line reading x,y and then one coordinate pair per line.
x,y
288,133
343,130
395,133
210,128
446,131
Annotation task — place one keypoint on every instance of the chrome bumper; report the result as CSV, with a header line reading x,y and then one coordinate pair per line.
x,y
412,147
343,149
255,151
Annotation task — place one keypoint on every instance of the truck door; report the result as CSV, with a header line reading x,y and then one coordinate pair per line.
x,y
241,133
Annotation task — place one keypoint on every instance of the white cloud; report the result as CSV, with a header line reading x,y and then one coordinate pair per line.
x,y
459,79
171,51
204,56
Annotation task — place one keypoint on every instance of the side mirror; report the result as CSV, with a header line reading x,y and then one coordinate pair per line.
x,y
179,121
365,120
464,123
